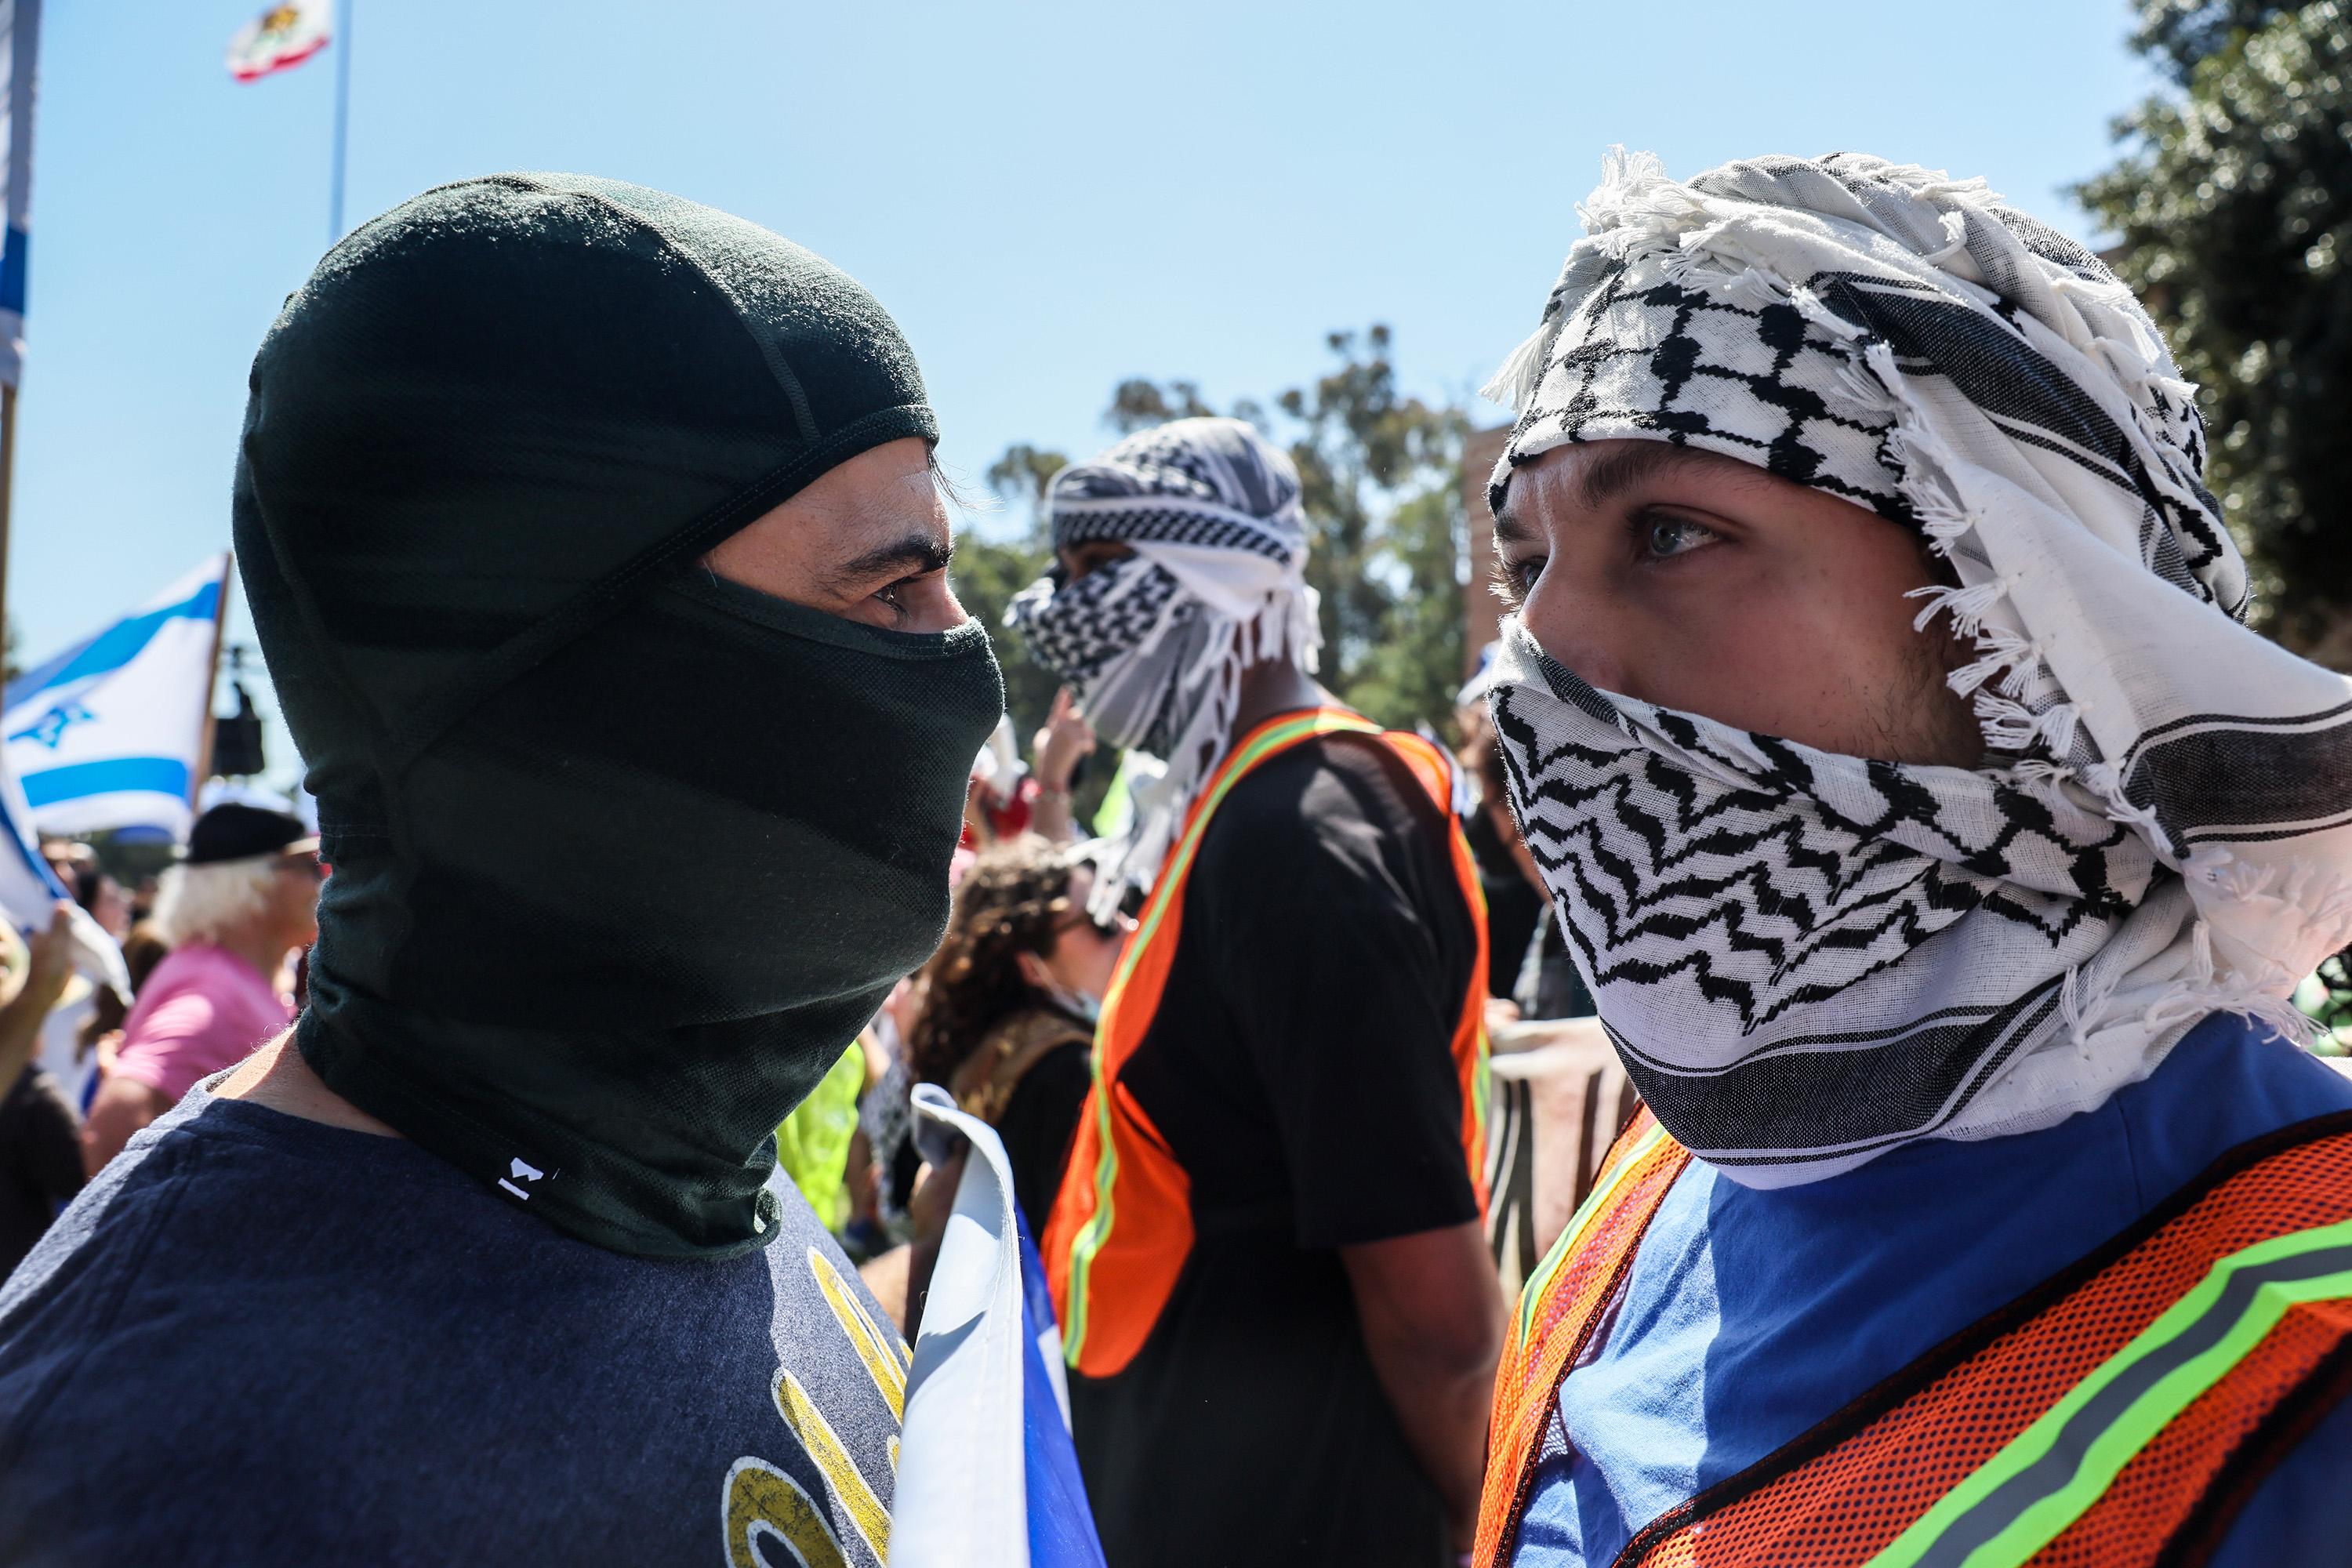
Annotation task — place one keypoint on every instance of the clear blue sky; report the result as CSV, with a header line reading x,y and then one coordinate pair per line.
x,y
1049,197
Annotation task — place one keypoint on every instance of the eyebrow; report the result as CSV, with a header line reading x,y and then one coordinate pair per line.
x,y
1631,467
915,554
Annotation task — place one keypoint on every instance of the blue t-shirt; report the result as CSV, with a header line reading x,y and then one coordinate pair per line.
x,y
257,1340
1750,1316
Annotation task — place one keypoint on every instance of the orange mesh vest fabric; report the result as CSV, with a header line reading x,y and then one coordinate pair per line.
x,y
1122,1223
1558,1310
2121,1412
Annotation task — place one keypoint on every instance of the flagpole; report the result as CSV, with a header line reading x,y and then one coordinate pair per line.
x,y
7,491
342,115
24,47
205,734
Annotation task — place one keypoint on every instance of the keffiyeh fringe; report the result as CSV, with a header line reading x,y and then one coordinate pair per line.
x,y
2095,582
1154,646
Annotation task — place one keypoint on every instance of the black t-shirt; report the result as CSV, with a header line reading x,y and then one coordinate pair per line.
x,y
1513,908
1039,1119
40,1163
1300,1067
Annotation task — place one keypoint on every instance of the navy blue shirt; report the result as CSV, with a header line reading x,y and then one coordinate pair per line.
x,y
1750,1316
257,1340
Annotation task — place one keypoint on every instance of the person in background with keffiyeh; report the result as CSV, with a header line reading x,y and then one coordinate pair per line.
x,y
1940,849
1265,1254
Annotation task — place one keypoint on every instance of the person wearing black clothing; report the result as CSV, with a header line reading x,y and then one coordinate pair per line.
x,y
40,1163
1276,1304
592,539
1297,1069
1007,1025
40,1136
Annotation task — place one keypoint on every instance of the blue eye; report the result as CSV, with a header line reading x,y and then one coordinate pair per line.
x,y
1669,536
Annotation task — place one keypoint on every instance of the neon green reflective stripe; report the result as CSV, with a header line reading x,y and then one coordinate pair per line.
x,y
1165,890
1578,1224
1090,1237
1178,864
2049,1475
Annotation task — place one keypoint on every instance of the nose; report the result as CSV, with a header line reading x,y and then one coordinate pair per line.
x,y
1580,629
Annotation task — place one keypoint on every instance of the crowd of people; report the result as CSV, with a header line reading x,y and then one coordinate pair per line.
x,y
1809,1077
212,952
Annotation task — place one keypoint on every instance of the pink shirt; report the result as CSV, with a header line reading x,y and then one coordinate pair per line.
x,y
200,1011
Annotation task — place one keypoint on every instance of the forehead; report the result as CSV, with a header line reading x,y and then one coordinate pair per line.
x,y
878,496
1588,476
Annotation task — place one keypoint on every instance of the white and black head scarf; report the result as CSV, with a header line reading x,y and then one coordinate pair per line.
x,y
1806,960
1153,645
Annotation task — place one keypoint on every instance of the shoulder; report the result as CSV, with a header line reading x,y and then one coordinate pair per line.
x,y
217,1224
2228,1080
189,988
181,969
1064,1069
1341,804
1013,1048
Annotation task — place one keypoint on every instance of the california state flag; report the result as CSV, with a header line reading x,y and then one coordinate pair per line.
x,y
285,35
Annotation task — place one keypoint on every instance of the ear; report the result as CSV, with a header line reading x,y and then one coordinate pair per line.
x,y
1034,970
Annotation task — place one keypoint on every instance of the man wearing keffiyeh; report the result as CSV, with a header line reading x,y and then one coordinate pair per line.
x,y
1266,1253
1940,849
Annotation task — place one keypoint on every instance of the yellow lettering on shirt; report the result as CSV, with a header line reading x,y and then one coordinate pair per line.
x,y
832,1461
886,1362
763,1501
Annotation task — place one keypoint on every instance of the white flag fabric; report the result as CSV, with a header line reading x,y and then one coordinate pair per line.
x,y
109,733
284,34
988,1477
29,892
20,37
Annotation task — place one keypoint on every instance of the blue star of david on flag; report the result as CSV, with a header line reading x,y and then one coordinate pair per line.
x,y
51,727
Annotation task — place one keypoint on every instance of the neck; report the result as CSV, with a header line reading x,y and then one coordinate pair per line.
x,y
262,945
277,1076
1276,686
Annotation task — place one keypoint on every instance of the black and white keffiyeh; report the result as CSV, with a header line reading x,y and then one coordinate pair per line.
x,y
1806,959
1153,645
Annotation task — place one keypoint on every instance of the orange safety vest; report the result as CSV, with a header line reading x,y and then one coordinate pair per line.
x,y
2117,1415
1122,1223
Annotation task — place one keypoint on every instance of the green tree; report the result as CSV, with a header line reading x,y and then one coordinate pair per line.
x,y
1381,477
1138,404
1022,476
1381,480
2177,34
2234,205
989,573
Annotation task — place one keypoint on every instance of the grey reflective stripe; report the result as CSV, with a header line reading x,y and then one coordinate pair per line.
x,y
2057,1469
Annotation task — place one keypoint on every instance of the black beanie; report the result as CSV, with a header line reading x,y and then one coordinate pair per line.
x,y
624,854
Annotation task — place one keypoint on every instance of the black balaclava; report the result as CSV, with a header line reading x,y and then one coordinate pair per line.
x,y
623,854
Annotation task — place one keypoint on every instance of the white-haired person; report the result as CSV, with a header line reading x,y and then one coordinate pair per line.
x,y
1940,849
233,911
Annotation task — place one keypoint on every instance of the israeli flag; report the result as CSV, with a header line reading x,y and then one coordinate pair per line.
x,y
31,892
110,734
987,1475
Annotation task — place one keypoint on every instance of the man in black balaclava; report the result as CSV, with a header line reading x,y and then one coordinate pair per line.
x,y
592,538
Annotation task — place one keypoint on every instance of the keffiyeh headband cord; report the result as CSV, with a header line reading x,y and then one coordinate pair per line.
x,y
1807,959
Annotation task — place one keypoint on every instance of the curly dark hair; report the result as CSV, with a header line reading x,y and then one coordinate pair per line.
x,y
1009,902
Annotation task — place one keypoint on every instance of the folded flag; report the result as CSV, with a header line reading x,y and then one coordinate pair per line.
x,y
284,34
29,893
988,1477
108,734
